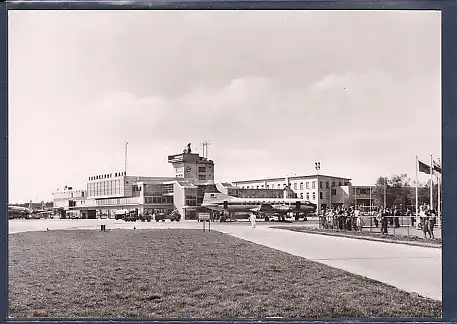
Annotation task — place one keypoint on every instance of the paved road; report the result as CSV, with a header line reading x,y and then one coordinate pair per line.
x,y
411,268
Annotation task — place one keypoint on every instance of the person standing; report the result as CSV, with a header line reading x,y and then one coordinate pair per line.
x,y
396,217
410,214
422,216
253,219
432,221
377,218
340,219
330,219
384,216
426,223
358,219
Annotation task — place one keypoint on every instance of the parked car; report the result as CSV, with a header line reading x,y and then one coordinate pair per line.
x,y
173,216
145,218
161,217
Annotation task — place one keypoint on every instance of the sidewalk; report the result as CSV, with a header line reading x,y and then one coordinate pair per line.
x,y
369,236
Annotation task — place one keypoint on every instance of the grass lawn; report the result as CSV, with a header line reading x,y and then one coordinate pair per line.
x,y
412,240
160,274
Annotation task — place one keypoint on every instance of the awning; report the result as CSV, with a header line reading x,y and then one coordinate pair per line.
x,y
190,207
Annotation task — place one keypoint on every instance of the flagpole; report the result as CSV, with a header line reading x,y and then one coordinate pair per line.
x,y
431,182
417,200
439,193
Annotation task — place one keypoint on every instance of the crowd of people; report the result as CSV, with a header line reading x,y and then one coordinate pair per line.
x,y
352,219
349,219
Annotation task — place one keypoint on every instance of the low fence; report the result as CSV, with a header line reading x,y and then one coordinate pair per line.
x,y
396,225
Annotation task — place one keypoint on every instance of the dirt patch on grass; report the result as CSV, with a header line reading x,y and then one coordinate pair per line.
x,y
410,240
159,274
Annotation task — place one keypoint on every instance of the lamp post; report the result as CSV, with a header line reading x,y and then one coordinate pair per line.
x,y
370,199
385,193
318,167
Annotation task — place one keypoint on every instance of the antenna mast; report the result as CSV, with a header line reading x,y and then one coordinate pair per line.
x,y
125,158
205,145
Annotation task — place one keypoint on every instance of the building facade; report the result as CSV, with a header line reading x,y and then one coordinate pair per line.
x,y
362,196
323,190
231,190
108,193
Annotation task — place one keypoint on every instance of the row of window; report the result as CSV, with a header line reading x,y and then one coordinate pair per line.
x,y
117,201
107,176
191,202
64,195
151,211
295,185
158,200
105,188
321,195
155,189
361,191
78,203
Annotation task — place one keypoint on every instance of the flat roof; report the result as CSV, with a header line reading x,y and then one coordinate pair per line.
x,y
291,178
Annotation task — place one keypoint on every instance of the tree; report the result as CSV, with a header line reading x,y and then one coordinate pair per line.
x,y
424,194
396,191
400,192
378,192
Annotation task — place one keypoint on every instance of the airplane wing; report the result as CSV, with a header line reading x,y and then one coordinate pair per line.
x,y
265,207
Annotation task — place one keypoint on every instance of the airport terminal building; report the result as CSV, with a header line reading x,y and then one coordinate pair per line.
x,y
107,194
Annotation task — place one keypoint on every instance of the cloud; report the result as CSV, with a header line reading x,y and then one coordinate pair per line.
x,y
298,86
257,111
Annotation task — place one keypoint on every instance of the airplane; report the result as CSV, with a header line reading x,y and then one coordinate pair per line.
x,y
18,212
264,206
24,212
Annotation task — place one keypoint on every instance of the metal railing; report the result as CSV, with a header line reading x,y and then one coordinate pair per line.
x,y
410,226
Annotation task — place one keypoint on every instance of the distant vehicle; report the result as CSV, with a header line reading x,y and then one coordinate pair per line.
x,y
173,216
145,218
15,212
131,216
120,214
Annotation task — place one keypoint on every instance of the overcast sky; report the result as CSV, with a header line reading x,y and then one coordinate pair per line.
x,y
273,91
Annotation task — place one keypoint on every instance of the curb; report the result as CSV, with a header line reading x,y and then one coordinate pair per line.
x,y
367,238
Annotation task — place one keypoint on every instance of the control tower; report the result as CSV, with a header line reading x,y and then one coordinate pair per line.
x,y
192,167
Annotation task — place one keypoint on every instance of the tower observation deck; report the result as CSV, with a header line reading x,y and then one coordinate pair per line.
x,y
192,167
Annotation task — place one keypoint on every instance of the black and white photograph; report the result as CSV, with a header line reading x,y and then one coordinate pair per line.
x,y
224,164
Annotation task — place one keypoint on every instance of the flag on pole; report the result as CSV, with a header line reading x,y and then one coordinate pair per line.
x,y
424,167
437,167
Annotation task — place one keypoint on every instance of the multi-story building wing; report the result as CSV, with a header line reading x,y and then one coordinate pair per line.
x,y
323,190
108,193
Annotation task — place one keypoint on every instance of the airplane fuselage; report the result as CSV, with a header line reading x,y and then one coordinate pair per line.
x,y
264,205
